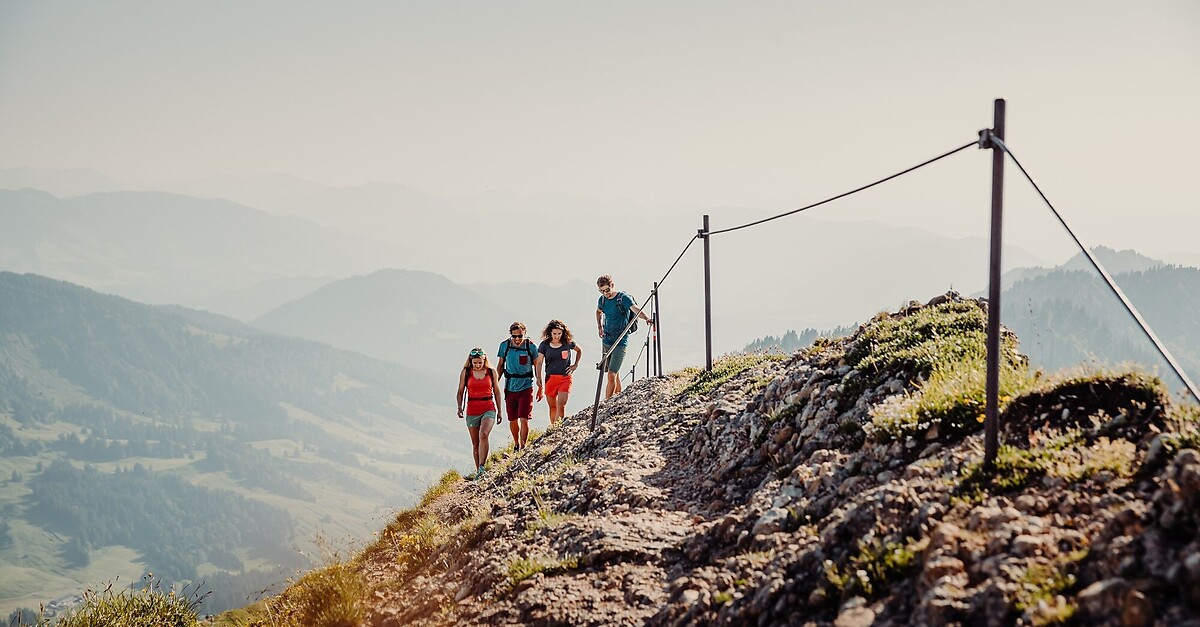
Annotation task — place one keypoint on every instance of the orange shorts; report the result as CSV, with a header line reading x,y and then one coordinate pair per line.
x,y
557,384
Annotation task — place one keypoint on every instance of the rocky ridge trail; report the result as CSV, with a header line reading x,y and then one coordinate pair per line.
x,y
783,497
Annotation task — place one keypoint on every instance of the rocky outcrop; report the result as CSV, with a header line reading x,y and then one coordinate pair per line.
x,y
775,499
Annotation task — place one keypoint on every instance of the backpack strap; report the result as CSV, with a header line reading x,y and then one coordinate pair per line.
x,y
507,348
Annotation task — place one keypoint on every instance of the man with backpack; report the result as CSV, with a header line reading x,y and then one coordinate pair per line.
x,y
614,311
521,366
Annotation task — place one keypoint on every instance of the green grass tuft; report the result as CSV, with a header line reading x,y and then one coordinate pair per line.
x,y
148,607
950,332
876,565
521,569
1042,583
443,486
723,370
948,344
328,597
1067,456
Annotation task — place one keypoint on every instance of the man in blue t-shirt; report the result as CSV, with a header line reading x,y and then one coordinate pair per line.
x,y
612,314
521,366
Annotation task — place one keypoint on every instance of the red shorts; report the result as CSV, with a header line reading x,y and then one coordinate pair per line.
x,y
557,384
519,404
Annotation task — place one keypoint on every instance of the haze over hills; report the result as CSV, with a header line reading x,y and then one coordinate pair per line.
x,y
140,438
1114,261
248,303
61,183
418,319
167,248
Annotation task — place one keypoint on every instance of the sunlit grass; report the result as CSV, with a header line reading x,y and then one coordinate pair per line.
x,y
148,606
333,596
724,369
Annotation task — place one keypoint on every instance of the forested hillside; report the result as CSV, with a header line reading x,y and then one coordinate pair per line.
x,y
1067,317
139,438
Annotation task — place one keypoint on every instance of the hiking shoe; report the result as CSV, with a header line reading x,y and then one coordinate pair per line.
x,y
479,473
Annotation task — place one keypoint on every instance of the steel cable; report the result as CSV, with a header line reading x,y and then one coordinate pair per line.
x,y
853,191
1108,280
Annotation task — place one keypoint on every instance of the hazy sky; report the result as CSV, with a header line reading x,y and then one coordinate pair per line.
x,y
761,105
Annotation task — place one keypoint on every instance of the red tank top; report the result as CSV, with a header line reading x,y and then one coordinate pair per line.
x,y
479,394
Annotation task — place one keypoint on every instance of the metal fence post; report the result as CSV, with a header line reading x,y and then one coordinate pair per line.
x,y
704,233
599,385
649,372
991,426
657,335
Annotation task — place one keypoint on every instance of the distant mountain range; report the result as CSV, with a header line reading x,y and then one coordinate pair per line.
x,y
196,424
219,255
166,248
425,321
1067,315
419,319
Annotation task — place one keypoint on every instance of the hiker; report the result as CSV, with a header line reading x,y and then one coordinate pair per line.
x,y
614,310
555,350
519,360
482,387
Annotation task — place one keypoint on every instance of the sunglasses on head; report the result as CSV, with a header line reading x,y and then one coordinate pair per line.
x,y
476,352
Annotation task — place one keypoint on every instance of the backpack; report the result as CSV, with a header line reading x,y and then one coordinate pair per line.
x,y
528,349
627,314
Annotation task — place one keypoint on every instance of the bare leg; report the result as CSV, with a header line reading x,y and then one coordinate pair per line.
x,y
613,385
484,430
524,432
474,431
553,403
515,427
561,404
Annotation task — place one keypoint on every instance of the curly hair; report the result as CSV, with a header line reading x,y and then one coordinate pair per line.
x,y
567,338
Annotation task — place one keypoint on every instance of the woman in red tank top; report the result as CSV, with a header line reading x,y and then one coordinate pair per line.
x,y
479,383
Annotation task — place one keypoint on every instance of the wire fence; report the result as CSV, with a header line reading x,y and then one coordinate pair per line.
x,y
987,139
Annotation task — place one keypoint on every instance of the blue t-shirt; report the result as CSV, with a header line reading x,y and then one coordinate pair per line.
x,y
614,322
518,365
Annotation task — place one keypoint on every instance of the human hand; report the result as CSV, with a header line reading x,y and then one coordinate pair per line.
x,y
539,393
571,368
460,412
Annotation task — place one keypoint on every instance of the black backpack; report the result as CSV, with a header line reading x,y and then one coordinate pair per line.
x,y
627,314
508,347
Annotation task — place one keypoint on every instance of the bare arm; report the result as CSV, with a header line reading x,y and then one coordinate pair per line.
x,y
638,310
496,391
578,358
537,368
599,325
462,384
